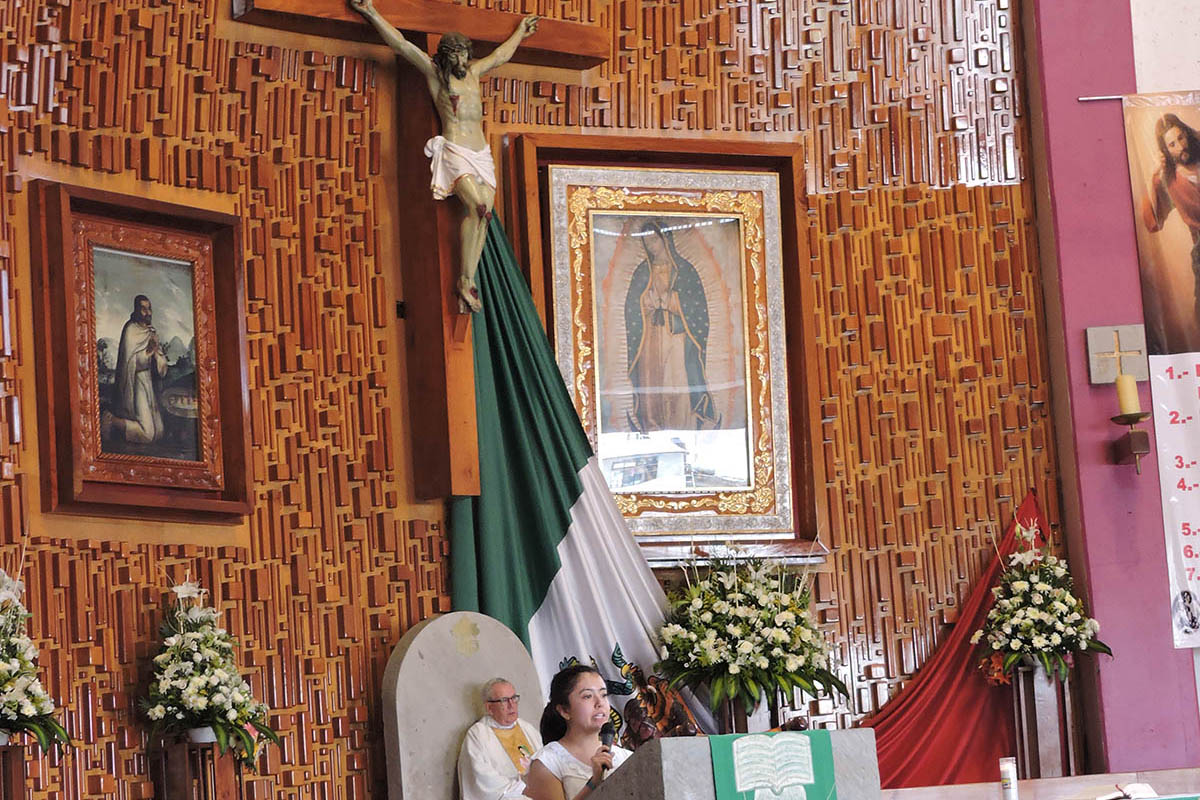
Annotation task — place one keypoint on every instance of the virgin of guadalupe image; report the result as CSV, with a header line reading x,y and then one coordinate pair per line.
x,y
666,331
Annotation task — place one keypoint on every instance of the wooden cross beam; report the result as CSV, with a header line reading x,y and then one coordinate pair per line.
x,y
441,363
572,45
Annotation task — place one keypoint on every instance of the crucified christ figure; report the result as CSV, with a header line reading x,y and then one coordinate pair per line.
x,y
460,158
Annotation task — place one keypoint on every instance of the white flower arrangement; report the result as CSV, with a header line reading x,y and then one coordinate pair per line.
x,y
24,703
742,629
196,682
1036,614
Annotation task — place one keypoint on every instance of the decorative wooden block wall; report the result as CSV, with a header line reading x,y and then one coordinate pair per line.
x,y
935,408
881,92
146,94
933,379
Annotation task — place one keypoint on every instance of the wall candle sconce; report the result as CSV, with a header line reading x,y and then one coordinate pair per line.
x,y
1117,354
1136,442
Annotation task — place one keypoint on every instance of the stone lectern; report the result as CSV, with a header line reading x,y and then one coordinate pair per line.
x,y
681,769
431,695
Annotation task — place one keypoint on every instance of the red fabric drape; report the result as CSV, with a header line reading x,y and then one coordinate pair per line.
x,y
949,725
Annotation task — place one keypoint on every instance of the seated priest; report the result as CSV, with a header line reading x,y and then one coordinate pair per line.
x,y
495,753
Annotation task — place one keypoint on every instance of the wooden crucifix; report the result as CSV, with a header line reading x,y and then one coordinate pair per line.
x,y
460,158
437,274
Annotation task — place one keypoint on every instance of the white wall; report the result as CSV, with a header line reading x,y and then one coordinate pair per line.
x,y
1166,44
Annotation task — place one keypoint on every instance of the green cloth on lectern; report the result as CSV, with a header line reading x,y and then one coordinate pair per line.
x,y
786,765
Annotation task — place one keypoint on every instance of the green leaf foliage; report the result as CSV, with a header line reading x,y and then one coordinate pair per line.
x,y
196,682
25,706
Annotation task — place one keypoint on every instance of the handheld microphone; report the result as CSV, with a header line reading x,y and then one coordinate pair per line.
x,y
607,734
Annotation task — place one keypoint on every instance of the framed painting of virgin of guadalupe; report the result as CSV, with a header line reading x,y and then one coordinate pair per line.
x,y
668,318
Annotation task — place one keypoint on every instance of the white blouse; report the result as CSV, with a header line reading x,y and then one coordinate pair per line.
x,y
570,770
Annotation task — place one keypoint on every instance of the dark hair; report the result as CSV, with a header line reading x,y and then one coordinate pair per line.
x,y
553,727
1164,124
652,228
137,307
449,44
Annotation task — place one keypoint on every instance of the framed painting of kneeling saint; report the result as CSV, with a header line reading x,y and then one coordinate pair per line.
x,y
668,314
140,340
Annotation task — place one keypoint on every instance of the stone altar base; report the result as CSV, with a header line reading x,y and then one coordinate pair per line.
x,y
681,769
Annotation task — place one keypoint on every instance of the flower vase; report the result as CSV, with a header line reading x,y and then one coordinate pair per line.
x,y
1047,738
205,735
732,716
4,737
775,705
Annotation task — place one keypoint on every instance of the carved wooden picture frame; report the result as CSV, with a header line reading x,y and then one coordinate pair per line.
x,y
797,531
141,367
669,330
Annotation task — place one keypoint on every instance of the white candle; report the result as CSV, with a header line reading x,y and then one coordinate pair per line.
x,y
1127,395
1008,778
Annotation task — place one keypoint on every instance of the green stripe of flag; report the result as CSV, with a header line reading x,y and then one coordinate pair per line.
x,y
531,449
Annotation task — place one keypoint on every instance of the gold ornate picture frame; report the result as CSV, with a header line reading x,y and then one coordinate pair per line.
x,y
668,321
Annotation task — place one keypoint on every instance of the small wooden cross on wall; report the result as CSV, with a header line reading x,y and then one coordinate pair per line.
x,y
441,372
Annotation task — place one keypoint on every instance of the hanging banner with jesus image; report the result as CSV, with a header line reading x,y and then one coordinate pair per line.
x,y
1161,135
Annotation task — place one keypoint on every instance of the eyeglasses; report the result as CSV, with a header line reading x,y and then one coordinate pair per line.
x,y
513,699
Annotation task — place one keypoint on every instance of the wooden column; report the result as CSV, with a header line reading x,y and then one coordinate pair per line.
x,y
1048,744
12,772
194,772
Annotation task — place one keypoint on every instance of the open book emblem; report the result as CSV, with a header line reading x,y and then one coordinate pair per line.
x,y
774,767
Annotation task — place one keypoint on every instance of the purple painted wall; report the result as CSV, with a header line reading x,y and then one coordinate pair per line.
x,y
1147,694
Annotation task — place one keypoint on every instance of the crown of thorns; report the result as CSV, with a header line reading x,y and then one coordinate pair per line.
x,y
452,42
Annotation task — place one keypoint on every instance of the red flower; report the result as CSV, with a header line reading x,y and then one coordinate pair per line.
x,y
993,669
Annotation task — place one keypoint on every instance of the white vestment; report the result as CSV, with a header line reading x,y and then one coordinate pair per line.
x,y
133,392
485,772
573,773
450,161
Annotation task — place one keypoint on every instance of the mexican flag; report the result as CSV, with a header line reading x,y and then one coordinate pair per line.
x,y
543,548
